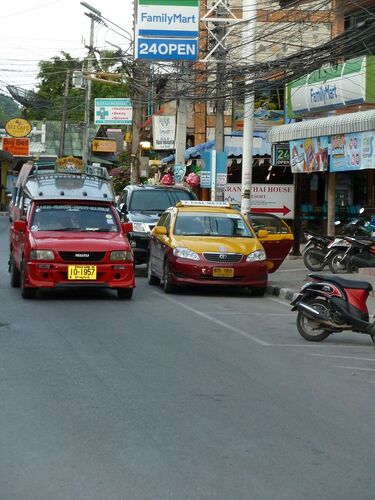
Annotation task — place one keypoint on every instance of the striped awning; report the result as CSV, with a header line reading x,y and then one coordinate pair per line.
x,y
361,121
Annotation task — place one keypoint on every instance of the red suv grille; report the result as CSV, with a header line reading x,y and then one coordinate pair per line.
x,y
82,256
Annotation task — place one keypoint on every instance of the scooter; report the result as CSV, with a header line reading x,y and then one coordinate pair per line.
x,y
315,250
329,304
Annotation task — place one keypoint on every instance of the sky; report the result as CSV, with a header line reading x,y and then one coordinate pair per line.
x,y
35,30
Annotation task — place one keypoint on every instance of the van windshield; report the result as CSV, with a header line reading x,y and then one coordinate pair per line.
x,y
156,199
74,218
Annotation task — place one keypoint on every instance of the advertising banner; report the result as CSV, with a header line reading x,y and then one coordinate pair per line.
x,y
163,132
116,111
309,155
18,147
354,151
167,30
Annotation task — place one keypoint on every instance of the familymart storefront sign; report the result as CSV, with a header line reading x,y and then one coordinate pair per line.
x,y
167,30
352,82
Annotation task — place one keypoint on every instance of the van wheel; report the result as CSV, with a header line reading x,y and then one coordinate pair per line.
x,y
125,293
15,277
26,293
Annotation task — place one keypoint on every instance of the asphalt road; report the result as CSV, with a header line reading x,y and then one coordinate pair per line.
x,y
199,395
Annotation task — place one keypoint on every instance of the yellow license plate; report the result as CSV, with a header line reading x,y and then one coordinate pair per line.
x,y
81,272
223,272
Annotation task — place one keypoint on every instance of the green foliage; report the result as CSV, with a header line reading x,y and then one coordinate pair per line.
x,y
8,108
52,77
120,178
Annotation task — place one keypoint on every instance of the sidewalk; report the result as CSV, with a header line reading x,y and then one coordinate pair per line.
x,y
292,274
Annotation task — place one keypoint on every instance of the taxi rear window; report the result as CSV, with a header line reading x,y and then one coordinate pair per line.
x,y
211,224
85,218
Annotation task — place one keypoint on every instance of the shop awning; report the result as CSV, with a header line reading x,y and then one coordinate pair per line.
x,y
233,147
361,121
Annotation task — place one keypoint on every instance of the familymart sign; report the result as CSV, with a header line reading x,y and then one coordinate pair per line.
x,y
352,82
167,29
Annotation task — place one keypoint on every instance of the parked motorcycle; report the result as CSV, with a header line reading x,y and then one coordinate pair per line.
x,y
315,250
359,252
329,304
326,250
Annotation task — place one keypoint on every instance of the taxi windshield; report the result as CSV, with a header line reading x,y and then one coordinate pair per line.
x,y
211,224
67,217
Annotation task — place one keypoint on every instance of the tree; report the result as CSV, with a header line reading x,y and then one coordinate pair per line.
x,y
8,108
52,76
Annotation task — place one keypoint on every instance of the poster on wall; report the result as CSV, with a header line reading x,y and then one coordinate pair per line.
x,y
163,131
309,155
352,151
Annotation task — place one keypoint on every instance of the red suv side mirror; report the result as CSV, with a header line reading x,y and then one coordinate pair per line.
x,y
20,225
127,227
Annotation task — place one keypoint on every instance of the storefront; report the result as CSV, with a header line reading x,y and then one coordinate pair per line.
x,y
333,160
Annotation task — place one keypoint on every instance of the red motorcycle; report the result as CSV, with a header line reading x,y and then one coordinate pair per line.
x,y
329,304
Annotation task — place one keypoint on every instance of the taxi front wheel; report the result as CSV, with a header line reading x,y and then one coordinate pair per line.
x,y
168,287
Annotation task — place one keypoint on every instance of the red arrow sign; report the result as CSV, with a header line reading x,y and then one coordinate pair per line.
x,y
285,210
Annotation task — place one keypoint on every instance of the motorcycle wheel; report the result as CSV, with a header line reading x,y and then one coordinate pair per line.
x,y
308,328
313,260
335,264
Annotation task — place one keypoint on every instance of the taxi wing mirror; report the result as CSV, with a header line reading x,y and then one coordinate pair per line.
x,y
262,233
127,227
19,225
160,230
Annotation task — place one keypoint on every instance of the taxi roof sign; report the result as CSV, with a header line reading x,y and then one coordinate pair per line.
x,y
200,203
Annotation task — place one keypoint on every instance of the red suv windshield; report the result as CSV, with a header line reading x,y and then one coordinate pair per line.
x,y
74,218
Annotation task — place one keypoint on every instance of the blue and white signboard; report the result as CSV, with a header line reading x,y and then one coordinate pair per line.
x,y
116,111
164,20
167,49
167,30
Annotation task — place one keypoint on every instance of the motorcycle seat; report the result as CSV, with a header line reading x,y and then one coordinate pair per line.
x,y
343,282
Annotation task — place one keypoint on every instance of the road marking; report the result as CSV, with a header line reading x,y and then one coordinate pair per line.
x,y
246,312
341,356
355,368
217,321
280,301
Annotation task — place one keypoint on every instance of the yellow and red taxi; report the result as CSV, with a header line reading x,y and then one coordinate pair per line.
x,y
68,234
278,241
206,243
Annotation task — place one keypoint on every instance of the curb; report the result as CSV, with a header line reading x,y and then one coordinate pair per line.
x,y
4,214
284,293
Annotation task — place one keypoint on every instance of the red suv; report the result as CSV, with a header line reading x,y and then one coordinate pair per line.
x,y
69,234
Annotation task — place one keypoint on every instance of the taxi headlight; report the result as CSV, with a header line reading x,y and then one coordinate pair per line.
x,y
141,227
256,256
185,253
42,255
121,255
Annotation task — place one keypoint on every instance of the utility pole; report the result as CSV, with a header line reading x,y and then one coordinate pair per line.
x,y
249,15
181,123
138,81
85,142
63,117
220,102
